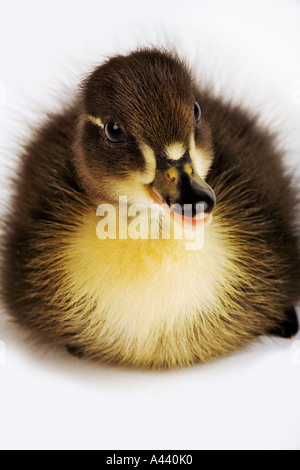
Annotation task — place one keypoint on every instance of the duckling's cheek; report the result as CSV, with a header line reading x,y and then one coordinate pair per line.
x,y
132,188
148,175
202,158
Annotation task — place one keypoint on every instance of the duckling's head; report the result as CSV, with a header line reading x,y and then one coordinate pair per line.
x,y
141,134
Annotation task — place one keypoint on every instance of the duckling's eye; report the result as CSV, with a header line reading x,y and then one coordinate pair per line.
x,y
197,112
114,133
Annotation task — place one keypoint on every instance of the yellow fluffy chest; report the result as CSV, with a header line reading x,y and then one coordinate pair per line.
x,y
145,285
145,302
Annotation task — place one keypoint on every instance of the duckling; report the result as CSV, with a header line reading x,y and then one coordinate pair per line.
x,y
143,131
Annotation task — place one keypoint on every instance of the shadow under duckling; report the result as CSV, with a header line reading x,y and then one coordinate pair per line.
x,y
143,130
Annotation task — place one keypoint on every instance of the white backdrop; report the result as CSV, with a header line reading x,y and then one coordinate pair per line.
x,y
250,400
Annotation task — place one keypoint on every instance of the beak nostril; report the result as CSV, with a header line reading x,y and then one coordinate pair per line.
x,y
172,175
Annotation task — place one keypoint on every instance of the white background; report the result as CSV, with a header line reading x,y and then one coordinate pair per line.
x,y
250,49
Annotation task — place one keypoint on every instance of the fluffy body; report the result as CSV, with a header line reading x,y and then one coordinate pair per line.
x,y
152,303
